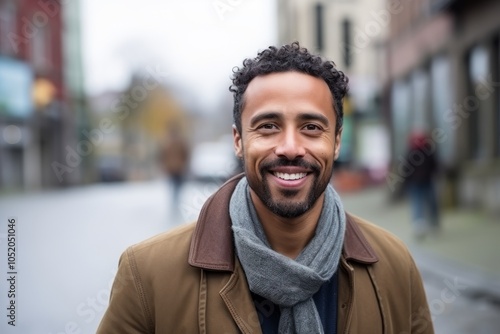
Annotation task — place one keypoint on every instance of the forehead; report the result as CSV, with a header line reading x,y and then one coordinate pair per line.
x,y
288,91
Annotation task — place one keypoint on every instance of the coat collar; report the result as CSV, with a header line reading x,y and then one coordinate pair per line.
x,y
212,245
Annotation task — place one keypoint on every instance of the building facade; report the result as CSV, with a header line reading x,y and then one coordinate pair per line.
x,y
443,77
36,107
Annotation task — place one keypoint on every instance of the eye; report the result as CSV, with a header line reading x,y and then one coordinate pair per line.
x,y
267,128
312,128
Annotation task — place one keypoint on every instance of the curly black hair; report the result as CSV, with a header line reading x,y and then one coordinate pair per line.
x,y
290,57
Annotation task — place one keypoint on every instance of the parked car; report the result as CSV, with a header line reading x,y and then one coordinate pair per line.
x,y
214,161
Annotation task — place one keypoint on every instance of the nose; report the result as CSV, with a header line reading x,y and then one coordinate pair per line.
x,y
290,145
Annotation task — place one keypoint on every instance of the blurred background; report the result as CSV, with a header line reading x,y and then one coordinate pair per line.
x,y
115,125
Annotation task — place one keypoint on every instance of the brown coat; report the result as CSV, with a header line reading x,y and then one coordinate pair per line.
x,y
189,281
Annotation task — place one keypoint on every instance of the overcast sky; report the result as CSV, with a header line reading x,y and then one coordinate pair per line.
x,y
196,42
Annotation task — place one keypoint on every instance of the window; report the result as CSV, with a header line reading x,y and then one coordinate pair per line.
x,y
7,25
420,103
319,27
442,110
40,55
347,42
474,106
400,112
496,78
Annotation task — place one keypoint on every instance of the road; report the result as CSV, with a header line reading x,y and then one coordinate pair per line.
x,y
68,243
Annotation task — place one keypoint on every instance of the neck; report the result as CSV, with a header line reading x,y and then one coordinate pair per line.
x,y
288,236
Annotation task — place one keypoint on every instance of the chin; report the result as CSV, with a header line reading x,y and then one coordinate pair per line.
x,y
289,212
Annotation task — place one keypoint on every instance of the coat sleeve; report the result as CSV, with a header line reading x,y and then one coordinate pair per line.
x,y
421,320
127,312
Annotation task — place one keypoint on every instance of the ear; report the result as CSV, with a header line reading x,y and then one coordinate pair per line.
x,y
336,150
238,145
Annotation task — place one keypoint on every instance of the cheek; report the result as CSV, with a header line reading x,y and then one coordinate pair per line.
x,y
325,151
247,156
327,160
253,158
257,149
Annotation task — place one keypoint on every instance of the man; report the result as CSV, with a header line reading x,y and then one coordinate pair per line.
x,y
174,160
273,251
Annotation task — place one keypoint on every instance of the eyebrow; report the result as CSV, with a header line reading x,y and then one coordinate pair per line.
x,y
265,116
314,117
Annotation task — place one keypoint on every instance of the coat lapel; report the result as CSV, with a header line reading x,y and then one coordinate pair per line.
x,y
238,300
212,245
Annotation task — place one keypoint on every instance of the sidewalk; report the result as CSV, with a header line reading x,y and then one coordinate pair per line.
x,y
467,249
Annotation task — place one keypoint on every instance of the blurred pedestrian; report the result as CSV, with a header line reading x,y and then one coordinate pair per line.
x,y
174,160
273,250
420,183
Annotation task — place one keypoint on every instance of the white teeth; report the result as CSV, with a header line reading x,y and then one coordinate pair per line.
x,y
286,176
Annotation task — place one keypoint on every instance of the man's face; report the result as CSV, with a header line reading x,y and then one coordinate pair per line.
x,y
288,142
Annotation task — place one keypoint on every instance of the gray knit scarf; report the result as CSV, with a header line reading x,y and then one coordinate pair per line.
x,y
288,283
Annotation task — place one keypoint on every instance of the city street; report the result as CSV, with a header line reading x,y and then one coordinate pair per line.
x,y
68,244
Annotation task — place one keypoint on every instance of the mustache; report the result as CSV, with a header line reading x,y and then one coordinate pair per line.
x,y
284,162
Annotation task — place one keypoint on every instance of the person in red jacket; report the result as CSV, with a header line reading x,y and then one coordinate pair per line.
x,y
421,184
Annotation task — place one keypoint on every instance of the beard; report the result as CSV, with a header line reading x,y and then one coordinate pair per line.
x,y
286,205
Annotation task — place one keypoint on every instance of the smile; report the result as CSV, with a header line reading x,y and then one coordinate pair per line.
x,y
293,176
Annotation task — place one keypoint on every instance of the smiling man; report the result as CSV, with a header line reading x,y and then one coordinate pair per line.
x,y
273,250
289,130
